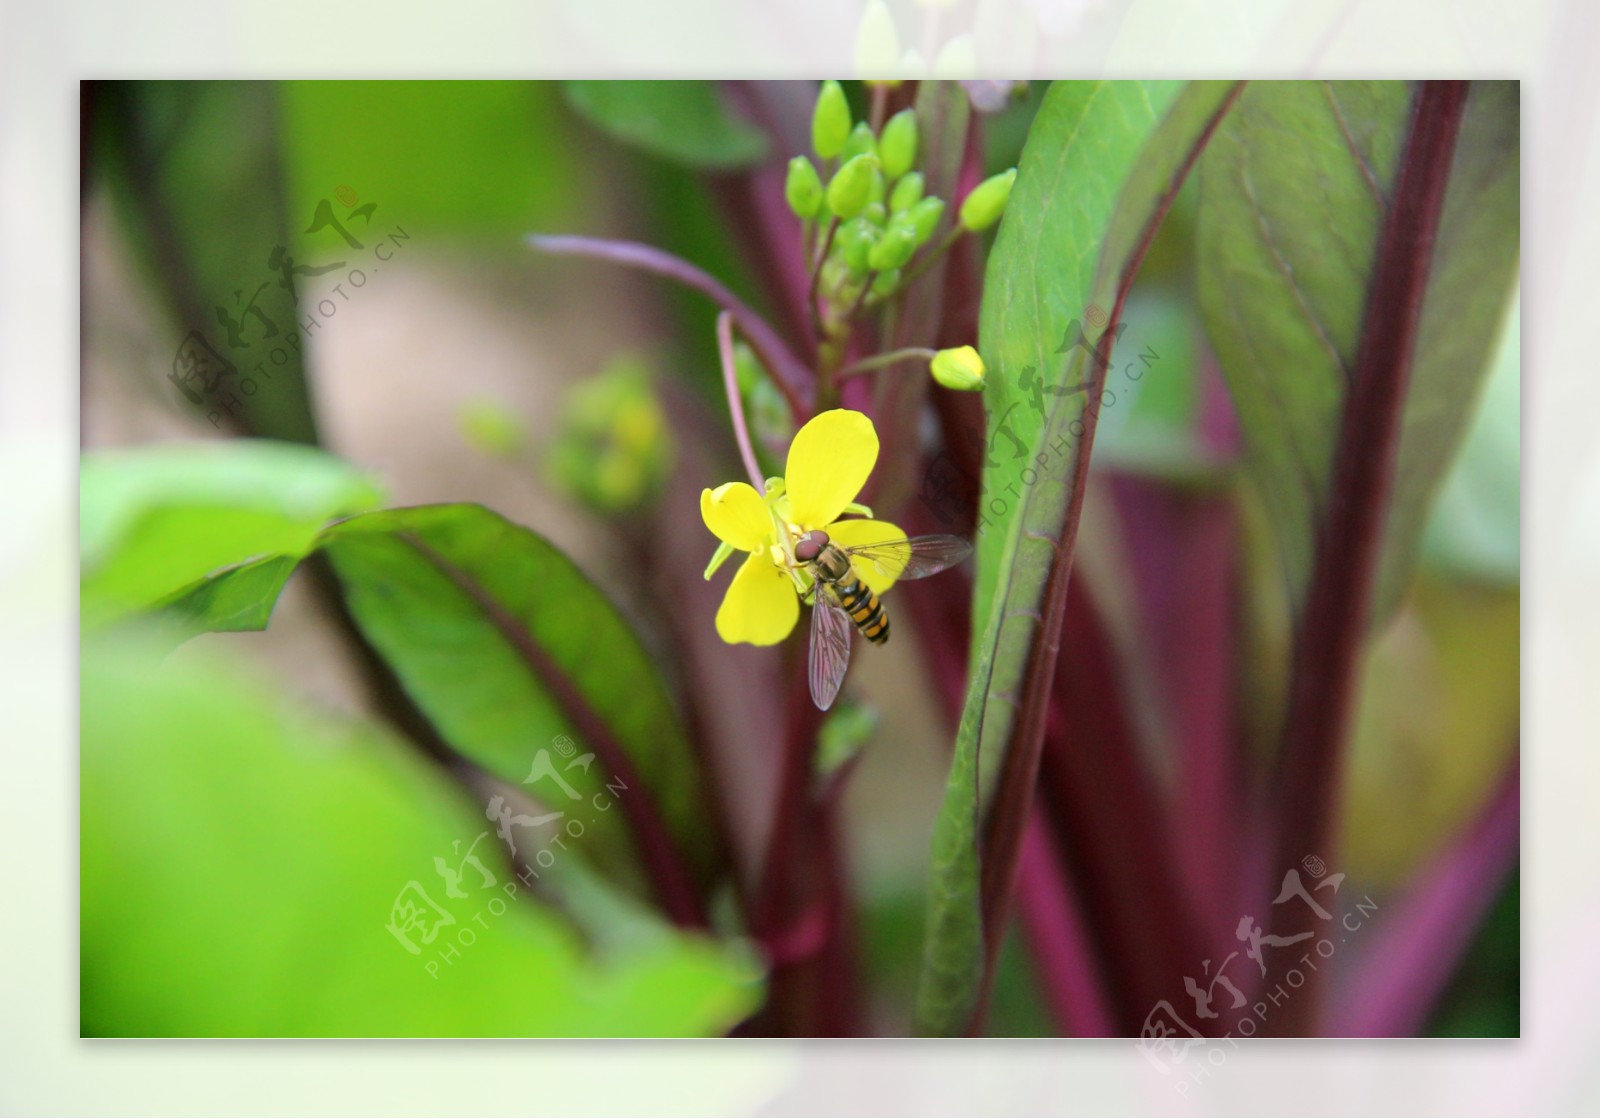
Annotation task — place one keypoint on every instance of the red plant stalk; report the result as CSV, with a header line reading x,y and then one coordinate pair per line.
x,y
1332,632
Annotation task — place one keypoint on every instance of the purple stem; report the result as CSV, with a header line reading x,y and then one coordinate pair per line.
x,y
1059,938
1416,949
1332,633
790,374
1182,546
730,382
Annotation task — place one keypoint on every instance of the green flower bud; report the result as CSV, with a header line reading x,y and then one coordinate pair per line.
x,y
493,428
983,207
860,142
960,369
830,121
835,271
879,188
897,147
850,190
613,447
925,215
855,240
803,188
886,283
907,192
877,42
895,248
877,213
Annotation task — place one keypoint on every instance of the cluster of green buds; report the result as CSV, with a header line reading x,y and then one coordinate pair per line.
x,y
869,221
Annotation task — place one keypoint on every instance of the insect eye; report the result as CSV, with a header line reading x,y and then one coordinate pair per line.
x,y
810,546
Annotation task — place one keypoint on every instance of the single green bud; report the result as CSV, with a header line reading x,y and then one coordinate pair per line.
x,y
613,448
886,283
898,243
830,121
847,290
960,369
493,428
850,190
907,192
877,42
897,147
877,213
925,215
860,142
855,240
879,188
835,271
803,188
983,207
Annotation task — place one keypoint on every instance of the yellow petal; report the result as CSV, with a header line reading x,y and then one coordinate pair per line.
x,y
737,515
881,572
760,606
829,462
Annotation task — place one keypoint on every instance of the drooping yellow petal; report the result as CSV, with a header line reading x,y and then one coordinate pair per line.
x,y
878,572
737,515
760,607
829,462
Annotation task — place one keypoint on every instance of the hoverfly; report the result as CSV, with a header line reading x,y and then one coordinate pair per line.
x,y
840,600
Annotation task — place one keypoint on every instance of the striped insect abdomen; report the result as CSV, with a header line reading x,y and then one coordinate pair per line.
x,y
865,609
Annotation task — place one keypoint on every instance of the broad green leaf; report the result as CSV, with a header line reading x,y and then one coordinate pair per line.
x,y
155,521
1097,162
242,864
501,640
684,121
445,162
1294,192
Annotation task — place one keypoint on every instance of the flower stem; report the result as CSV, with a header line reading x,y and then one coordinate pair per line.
x,y
881,361
925,261
880,107
816,273
730,382
789,373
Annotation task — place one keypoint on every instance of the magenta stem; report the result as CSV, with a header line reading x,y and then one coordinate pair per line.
x,y
730,382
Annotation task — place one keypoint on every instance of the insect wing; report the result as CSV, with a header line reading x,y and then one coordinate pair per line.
x,y
916,558
830,647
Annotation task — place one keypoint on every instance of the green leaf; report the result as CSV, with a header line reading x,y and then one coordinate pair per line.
x,y
684,121
241,862
1097,163
510,650
443,161
1293,197
156,521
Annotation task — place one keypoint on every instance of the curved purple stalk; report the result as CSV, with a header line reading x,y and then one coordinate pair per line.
x,y
792,376
730,382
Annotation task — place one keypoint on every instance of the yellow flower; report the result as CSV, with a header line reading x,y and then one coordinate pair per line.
x,y
829,461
